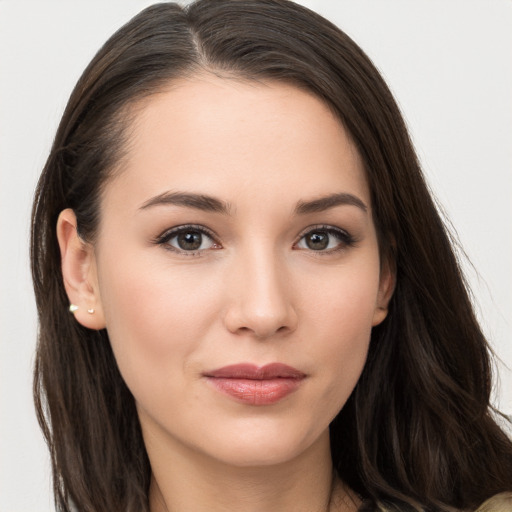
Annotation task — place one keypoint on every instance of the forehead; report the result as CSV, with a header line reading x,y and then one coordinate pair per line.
x,y
209,134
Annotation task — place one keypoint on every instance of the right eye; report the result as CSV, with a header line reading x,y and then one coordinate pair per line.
x,y
188,240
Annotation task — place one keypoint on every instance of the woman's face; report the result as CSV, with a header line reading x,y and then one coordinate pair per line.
x,y
238,234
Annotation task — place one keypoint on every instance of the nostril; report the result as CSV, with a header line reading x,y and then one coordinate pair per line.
x,y
262,307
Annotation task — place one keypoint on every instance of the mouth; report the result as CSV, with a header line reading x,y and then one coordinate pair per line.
x,y
254,385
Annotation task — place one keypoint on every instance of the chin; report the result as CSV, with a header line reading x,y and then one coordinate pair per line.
x,y
255,447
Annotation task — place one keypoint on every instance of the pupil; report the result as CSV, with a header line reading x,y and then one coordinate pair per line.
x,y
317,241
190,240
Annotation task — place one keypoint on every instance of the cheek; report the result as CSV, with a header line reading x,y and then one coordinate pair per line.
x,y
340,329
156,317
343,302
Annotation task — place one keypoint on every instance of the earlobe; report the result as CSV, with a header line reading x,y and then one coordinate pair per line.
x,y
79,274
386,289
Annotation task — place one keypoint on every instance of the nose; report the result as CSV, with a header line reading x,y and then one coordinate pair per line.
x,y
260,297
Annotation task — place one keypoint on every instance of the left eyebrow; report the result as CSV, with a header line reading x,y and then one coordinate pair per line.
x,y
327,202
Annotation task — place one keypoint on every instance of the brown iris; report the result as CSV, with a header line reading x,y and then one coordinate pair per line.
x,y
317,240
190,240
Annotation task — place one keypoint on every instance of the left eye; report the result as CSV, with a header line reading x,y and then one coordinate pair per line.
x,y
324,240
188,240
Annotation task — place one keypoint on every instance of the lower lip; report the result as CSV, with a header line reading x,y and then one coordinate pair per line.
x,y
256,392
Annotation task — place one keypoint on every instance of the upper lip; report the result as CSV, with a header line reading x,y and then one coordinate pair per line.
x,y
254,372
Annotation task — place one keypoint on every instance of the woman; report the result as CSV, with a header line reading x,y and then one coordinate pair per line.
x,y
266,310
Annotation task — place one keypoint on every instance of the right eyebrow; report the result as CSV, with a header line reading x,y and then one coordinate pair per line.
x,y
189,200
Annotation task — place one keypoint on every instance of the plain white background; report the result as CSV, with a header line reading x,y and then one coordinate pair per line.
x,y
449,64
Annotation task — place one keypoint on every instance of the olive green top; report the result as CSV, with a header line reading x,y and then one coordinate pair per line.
x,y
499,503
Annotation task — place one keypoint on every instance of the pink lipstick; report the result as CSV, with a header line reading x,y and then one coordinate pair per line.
x,y
255,385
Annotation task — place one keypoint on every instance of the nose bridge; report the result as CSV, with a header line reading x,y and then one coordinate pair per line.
x,y
260,293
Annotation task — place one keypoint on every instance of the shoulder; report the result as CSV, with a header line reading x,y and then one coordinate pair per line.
x,y
498,503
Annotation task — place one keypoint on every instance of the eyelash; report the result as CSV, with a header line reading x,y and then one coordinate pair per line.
x,y
168,235
345,239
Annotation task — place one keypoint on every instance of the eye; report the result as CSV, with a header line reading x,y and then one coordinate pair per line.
x,y
325,239
187,239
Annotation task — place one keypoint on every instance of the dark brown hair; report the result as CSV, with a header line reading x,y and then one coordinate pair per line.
x,y
418,432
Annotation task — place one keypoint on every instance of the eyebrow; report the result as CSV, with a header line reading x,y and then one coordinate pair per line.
x,y
212,204
327,202
189,200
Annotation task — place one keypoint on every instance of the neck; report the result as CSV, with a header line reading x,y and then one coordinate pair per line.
x,y
182,482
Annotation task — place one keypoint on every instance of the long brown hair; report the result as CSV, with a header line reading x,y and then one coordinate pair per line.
x,y
418,432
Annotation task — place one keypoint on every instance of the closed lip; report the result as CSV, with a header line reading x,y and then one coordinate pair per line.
x,y
256,385
253,372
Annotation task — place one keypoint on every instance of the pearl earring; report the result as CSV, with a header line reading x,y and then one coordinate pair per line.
x,y
90,311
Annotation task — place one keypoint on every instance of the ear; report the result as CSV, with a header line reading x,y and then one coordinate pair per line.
x,y
79,272
386,288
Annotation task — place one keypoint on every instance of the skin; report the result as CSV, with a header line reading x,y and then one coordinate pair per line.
x,y
253,292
